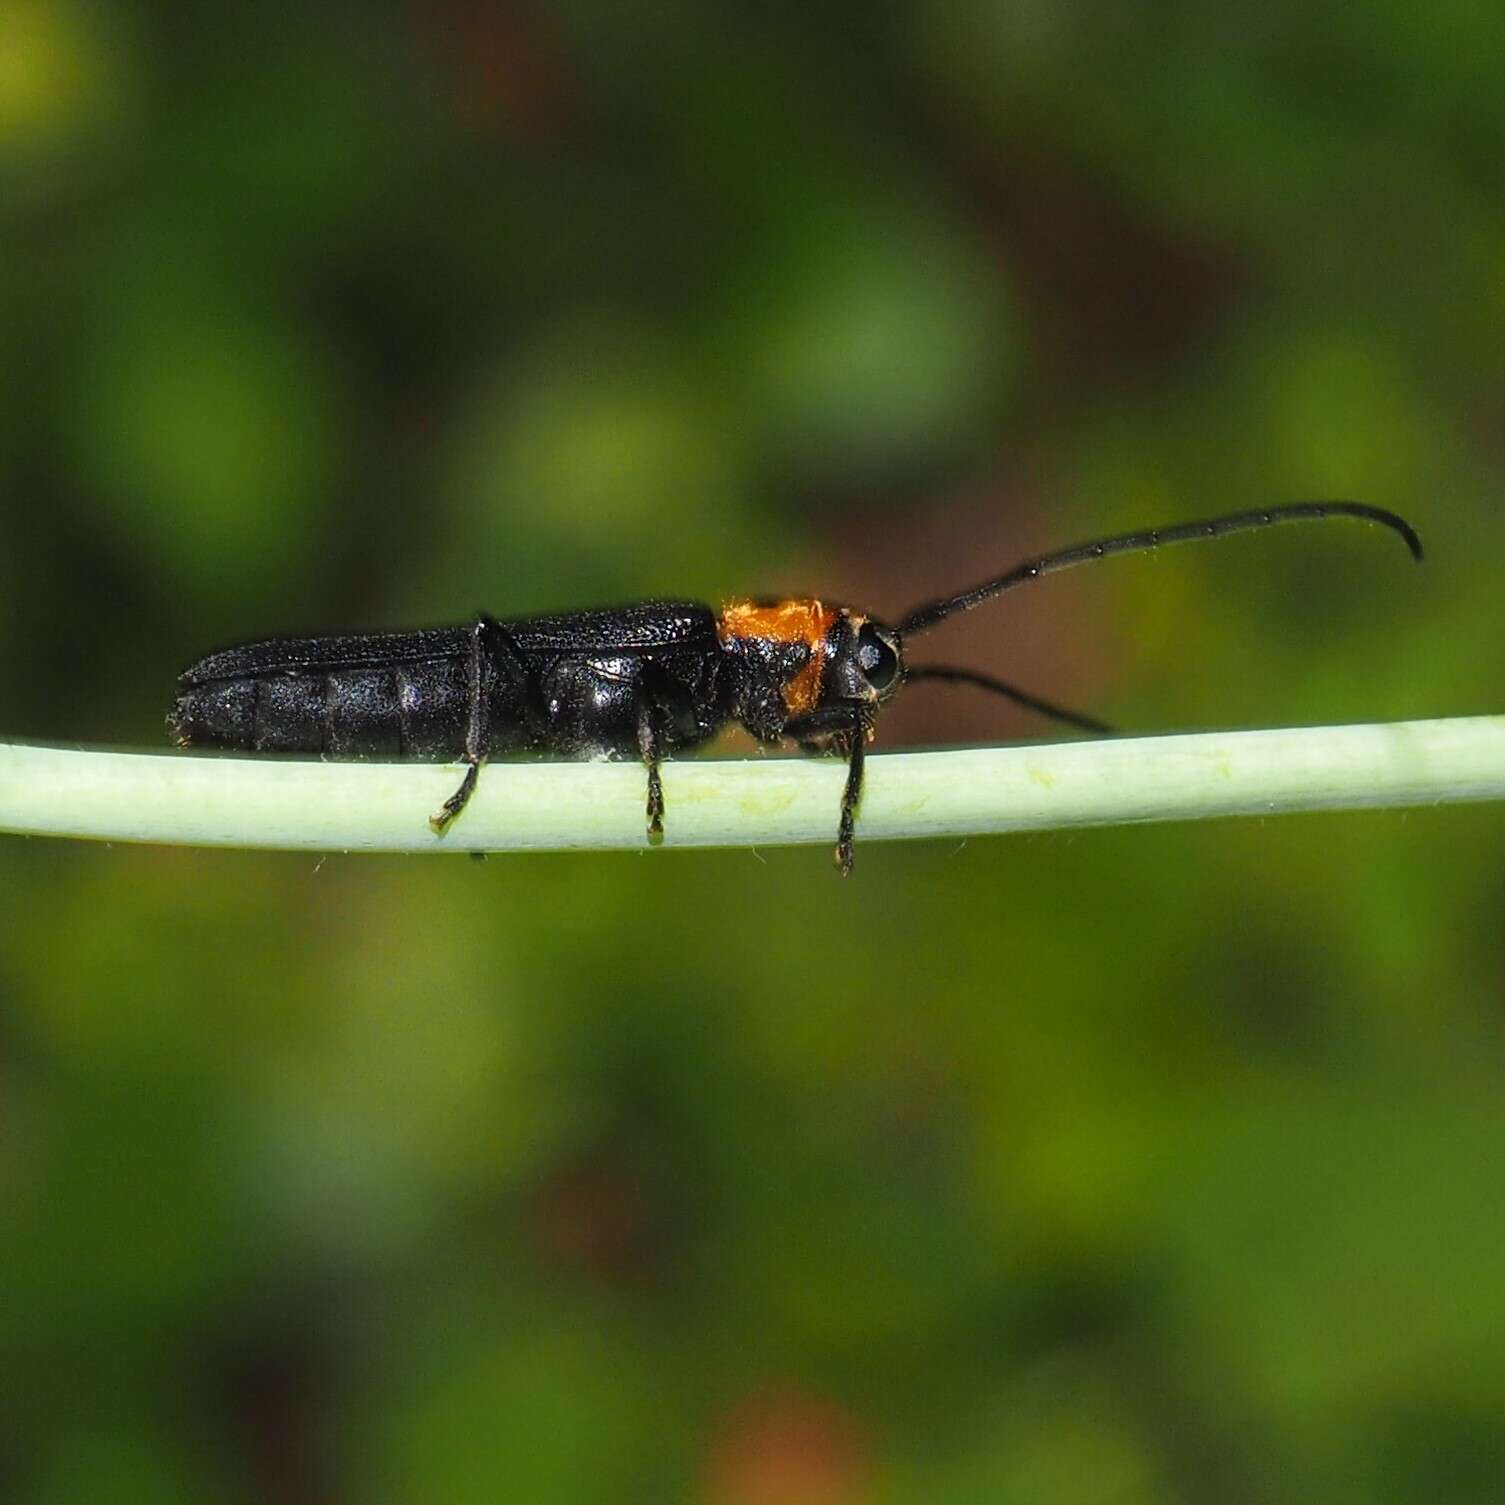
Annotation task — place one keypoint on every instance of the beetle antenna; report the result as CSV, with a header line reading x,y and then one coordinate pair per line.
x,y
923,618
1009,692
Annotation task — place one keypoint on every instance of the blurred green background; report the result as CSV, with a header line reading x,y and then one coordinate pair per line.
x,y
1139,1165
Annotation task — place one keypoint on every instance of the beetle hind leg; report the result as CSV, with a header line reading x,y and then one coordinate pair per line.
x,y
486,638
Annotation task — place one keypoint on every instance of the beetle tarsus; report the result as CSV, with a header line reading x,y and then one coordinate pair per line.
x,y
655,804
444,817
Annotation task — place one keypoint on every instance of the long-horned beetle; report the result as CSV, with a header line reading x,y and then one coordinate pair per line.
x,y
644,680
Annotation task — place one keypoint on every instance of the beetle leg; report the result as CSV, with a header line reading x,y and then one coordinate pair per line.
x,y
648,745
843,729
851,795
477,730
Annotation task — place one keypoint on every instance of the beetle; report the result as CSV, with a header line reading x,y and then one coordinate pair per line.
x,y
645,680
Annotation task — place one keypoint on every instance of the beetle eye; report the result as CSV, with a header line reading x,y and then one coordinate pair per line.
x,y
877,659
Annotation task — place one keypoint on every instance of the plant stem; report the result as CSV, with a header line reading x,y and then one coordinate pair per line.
x,y
383,807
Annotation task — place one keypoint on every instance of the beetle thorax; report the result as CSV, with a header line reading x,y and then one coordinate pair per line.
x,y
789,638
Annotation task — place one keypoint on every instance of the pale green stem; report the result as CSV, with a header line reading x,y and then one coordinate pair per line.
x,y
383,807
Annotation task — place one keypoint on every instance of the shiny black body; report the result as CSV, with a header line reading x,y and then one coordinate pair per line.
x,y
648,679
573,684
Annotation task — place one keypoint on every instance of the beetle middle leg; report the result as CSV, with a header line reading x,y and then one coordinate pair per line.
x,y
659,709
649,746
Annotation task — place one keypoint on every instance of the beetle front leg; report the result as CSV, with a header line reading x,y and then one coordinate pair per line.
x,y
851,797
839,729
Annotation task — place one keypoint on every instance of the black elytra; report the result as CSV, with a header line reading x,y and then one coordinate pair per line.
x,y
645,680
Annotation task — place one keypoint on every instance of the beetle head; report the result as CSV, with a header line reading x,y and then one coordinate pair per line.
x,y
864,661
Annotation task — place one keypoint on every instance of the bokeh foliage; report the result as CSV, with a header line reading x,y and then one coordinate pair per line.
x,y
1133,1166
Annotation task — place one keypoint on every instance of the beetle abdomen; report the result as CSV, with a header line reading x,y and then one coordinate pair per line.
x,y
416,710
